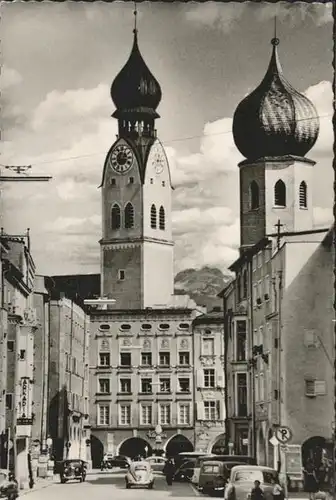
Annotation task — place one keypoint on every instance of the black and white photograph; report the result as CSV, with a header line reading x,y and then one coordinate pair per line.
x,y
167,250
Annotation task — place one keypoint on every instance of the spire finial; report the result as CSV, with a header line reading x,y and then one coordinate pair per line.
x,y
275,40
135,31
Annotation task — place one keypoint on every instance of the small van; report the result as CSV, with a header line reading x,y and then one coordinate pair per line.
x,y
214,475
242,459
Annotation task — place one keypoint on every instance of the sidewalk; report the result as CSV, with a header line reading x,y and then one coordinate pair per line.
x,y
40,484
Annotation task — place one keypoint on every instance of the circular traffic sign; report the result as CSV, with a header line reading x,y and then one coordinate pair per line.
x,y
283,434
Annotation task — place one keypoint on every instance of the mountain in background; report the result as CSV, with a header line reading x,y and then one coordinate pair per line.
x,y
203,285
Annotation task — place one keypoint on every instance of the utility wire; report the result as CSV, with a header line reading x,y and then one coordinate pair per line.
x,y
165,143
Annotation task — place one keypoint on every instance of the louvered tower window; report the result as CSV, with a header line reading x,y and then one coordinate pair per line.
x,y
303,195
115,216
162,218
254,195
280,194
129,216
153,217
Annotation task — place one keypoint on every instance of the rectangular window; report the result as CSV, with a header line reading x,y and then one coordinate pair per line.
x,y
165,384
104,385
125,385
146,359
184,358
208,347
9,401
146,415
113,181
209,378
164,358
104,359
125,414
310,339
125,359
266,288
184,384
121,275
10,345
131,180
184,414
210,410
262,387
22,354
103,414
315,387
241,338
146,385
241,395
164,414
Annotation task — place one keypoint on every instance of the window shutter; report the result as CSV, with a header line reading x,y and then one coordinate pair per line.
x,y
220,380
222,410
200,410
218,410
200,379
310,387
320,387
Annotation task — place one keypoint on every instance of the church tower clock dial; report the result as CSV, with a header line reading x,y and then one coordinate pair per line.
x,y
121,159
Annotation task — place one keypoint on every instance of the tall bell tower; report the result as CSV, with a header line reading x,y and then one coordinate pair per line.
x,y
136,245
274,128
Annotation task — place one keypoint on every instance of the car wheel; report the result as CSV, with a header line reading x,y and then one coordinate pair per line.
x,y
128,486
62,480
150,486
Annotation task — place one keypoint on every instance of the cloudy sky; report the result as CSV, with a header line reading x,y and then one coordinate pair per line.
x,y
58,62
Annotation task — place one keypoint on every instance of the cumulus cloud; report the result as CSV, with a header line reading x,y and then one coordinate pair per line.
x,y
224,16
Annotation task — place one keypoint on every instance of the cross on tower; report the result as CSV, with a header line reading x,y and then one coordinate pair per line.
x,y
278,226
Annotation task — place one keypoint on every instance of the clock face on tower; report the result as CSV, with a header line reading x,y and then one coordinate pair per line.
x,y
121,159
158,159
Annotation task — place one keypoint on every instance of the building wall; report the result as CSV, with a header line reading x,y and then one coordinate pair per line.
x,y
120,332
209,386
67,384
157,261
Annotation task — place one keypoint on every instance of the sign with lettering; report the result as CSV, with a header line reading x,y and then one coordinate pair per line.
x,y
24,406
283,434
293,460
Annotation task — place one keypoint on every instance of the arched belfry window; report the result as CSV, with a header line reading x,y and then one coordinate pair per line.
x,y
116,216
129,216
303,195
254,195
153,217
280,194
162,218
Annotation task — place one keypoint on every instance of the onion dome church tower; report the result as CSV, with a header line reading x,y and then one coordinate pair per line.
x,y
274,128
136,244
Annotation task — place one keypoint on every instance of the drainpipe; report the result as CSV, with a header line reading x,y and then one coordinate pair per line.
x,y
252,368
226,322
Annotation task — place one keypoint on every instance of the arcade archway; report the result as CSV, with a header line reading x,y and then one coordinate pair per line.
x,y
317,449
135,447
178,444
97,451
218,445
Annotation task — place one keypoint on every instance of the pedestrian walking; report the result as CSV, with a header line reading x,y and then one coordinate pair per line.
x,y
257,493
104,462
169,471
278,493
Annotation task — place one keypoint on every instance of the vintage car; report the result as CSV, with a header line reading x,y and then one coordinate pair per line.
x,y
240,459
157,463
120,461
214,475
185,471
8,488
72,469
242,479
140,474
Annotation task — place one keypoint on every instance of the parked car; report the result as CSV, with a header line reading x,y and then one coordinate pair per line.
x,y
140,474
185,471
72,469
8,487
214,475
120,461
157,463
242,479
240,459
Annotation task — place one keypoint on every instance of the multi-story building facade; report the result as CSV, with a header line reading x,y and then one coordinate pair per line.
x,y
68,399
283,285
141,377
209,382
18,280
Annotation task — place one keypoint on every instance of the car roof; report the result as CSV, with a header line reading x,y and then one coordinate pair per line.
x,y
140,462
253,467
211,462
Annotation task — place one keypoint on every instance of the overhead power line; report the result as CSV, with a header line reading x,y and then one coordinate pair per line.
x,y
165,143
